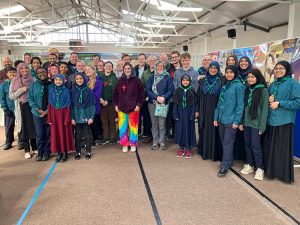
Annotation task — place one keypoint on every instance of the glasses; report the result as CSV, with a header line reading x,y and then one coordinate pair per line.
x,y
279,68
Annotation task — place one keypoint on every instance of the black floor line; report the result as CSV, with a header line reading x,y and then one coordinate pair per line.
x,y
151,199
265,196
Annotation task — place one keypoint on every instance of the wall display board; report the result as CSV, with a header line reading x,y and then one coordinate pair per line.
x,y
239,52
222,58
260,57
214,56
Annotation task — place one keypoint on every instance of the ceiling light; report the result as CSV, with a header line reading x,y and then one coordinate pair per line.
x,y
159,25
10,10
180,9
52,27
10,36
170,18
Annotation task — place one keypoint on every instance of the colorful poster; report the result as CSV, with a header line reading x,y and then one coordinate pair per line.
x,y
296,61
214,55
278,50
260,57
223,57
239,52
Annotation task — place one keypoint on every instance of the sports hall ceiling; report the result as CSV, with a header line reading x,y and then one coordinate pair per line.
x,y
143,23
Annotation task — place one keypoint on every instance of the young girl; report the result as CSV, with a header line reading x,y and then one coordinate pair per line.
x,y
185,111
38,101
228,115
83,112
254,122
59,118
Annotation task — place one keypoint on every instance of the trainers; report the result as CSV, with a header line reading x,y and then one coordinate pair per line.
x,y
34,151
125,149
162,146
88,155
133,148
188,154
154,147
180,153
7,147
222,172
46,157
77,156
27,155
39,158
247,169
259,174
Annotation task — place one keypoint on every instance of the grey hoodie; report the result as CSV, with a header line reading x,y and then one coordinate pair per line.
x,y
191,72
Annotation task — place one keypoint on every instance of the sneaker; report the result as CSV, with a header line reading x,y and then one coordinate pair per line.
x,y
34,151
247,169
27,155
78,156
222,172
39,158
259,174
163,146
125,149
7,147
46,157
144,135
180,153
133,148
88,155
154,147
188,154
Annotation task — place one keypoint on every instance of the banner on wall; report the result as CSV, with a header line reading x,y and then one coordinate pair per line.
x,y
239,52
260,57
223,57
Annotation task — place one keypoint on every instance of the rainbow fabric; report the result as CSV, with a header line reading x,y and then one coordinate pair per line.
x,y
128,137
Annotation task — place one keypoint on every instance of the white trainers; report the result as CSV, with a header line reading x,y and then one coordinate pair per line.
x,y
259,174
133,148
27,155
35,152
247,169
125,149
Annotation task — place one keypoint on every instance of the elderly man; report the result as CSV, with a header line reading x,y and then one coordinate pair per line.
x,y
119,68
6,62
205,64
163,57
80,68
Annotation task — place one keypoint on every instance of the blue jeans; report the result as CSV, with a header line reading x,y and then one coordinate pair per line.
x,y
227,134
42,136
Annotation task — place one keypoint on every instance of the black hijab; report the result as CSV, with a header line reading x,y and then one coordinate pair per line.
x,y
185,96
253,93
44,91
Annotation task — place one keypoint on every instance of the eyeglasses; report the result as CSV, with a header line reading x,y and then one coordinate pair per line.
x,y
279,68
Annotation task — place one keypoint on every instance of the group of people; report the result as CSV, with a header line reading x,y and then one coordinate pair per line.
x,y
60,107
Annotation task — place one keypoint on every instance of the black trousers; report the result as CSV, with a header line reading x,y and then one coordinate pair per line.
x,y
253,147
147,125
83,130
9,122
170,122
96,127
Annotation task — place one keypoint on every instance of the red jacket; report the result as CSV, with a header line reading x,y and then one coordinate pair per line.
x,y
128,93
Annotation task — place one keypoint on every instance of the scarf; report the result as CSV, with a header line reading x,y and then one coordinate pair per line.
x,y
44,93
210,81
243,73
158,77
33,73
22,81
82,95
185,96
59,96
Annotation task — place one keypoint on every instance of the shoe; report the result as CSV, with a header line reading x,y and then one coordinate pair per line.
x,y
78,156
188,154
169,137
103,141
34,151
112,141
7,147
147,140
20,147
154,147
144,136
39,158
247,169
133,148
222,172
125,149
88,155
259,174
46,158
58,157
162,146
64,157
180,153
27,155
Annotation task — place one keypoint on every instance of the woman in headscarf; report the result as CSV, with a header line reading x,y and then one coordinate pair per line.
x,y
228,115
59,118
19,93
244,67
254,122
128,99
38,101
159,90
284,101
232,60
185,111
35,63
83,112
209,146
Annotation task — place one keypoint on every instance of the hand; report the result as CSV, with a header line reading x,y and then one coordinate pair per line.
x,y
90,121
160,99
196,114
271,99
117,109
24,89
200,77
73,122
137,108
41,112
274,105
216,123
101,101
234,126
260,133
50,123
105,103
241,127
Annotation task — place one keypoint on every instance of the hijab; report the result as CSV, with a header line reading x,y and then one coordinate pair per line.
x,y
243,73
253,93
185,95
235,58
22,81
211,81
82,95
59,96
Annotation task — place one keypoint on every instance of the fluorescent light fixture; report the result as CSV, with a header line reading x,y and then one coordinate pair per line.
x,y
51,27
10,10
162,3
10,36
159,25
132,15
180,9
170,18
135,28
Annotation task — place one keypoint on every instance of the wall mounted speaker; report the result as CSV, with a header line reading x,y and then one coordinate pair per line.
x,y
231,33
185,48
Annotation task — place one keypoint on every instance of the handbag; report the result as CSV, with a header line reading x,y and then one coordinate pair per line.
x,y
161,110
